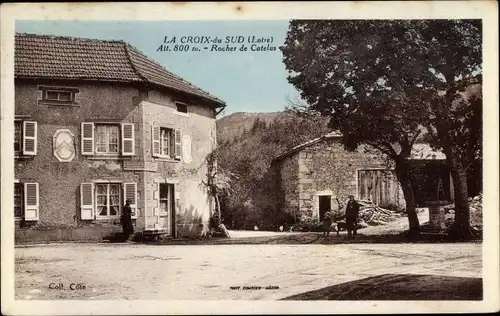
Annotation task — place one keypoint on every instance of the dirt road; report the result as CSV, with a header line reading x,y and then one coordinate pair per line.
x,y
210,272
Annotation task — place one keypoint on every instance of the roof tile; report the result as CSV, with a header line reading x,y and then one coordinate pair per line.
x,y
59,57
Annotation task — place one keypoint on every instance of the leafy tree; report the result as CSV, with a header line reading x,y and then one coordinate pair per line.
x,y
382,81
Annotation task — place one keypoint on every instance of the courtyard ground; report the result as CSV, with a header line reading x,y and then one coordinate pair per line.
x,y
214,272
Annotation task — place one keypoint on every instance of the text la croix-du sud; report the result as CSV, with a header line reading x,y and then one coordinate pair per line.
x,y
217,44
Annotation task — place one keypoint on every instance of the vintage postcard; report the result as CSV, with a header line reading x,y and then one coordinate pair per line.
x,y
249,158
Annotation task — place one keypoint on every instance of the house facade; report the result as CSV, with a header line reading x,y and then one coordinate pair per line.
x,y
96,123
315,176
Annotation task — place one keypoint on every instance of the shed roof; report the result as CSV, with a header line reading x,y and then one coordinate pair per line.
x,y
420,151
61,57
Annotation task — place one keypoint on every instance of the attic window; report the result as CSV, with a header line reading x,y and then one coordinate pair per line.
x,y
181,107
55,95
58,95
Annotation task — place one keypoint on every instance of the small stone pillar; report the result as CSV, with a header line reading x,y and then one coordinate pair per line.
x,y
436,214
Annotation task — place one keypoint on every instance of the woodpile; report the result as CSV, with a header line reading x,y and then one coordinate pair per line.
x,y
373,215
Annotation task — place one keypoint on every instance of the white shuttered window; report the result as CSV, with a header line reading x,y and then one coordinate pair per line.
x,y
87,201
29,138
130,193
31,201
166,142
87,138
128,139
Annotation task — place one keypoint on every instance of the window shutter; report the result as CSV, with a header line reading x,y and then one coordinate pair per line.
x,y
178,144
87,201
87,138
130,193
31,197
29,138
155,137
128,139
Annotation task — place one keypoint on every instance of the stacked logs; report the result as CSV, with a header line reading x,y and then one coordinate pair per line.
x,y
373,215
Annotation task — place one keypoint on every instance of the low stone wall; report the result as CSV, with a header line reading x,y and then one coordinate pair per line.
x,y
62,234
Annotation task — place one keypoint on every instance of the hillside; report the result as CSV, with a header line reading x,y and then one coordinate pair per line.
x,y
247,144
234,125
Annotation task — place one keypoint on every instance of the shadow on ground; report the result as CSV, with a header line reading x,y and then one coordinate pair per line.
x,y
309,238
400,287
116,237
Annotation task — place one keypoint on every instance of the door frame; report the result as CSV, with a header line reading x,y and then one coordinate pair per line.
x,y
319,204
172,206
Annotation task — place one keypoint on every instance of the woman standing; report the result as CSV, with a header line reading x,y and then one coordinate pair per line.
x,y
126,220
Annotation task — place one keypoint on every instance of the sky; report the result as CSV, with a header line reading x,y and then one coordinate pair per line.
x,y
248,81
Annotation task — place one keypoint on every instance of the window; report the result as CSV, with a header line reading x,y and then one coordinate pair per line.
x,y
55,95
26,198
166,142
18,136
108,199
18,200
105,200
181,107
166,135
107,139
58,95
25,138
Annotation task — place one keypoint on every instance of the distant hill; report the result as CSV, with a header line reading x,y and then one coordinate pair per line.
x,y
235,124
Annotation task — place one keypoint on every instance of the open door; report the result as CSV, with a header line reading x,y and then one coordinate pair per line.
x,y
165,215
324,206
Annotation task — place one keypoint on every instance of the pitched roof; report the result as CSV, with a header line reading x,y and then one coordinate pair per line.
x,y
59,57
420,151
311,142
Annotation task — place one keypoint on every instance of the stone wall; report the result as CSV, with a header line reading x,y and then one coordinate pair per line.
x,y
192,204
324,168
59,182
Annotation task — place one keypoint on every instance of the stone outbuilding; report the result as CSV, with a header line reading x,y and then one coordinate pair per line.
x,y
98,122
313,177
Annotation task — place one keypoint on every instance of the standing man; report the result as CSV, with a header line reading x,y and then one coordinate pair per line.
x,y
352,213
126,219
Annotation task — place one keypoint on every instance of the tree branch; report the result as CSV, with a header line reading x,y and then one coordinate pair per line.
x,y
387,150
414,138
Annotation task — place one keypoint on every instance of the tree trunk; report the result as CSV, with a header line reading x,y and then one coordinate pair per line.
x,y
461,229
217,206
403,174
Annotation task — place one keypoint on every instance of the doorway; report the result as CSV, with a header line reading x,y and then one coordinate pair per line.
x,y
166,218
324,206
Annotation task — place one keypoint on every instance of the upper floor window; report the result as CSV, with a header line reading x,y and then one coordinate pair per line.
x,y
166,142
108,139
58,95
25,138
18,136
181,107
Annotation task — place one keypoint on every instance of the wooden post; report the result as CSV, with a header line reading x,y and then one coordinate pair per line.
x,y
452,189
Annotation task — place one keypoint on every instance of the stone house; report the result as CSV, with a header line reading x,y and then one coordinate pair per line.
x,y
98,122
313,177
